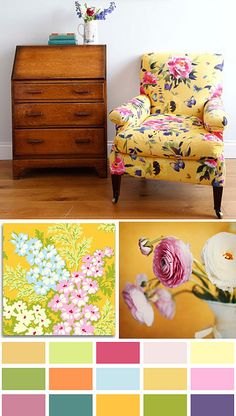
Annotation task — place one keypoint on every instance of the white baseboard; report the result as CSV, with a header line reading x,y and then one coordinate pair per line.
x,y
6,150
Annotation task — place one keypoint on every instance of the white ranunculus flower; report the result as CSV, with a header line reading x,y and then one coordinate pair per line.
x,y
219,257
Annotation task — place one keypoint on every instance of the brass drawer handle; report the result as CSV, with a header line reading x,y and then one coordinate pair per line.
x,y
34,114
82,114
33,92
35,141
81,92
78,141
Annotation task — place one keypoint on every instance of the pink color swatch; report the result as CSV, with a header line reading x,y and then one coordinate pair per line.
x,y
23,404
165,353
118,353
212,379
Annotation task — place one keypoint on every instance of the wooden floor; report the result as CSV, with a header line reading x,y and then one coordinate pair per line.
x,y
81,194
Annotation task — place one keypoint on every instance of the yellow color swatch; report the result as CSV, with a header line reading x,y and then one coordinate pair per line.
x,y
165,379
117,405
212,352
23,352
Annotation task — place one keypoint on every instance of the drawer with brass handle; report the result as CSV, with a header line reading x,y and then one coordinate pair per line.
x,y
82,91
54,114
59,141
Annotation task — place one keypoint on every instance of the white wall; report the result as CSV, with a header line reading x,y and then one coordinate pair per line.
x,y
135,27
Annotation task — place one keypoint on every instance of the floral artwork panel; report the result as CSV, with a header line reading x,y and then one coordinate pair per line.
x,y
59,279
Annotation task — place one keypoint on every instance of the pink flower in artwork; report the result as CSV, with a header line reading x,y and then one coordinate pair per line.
x,y
212,163
97,271
58,301
99,253
87,259
77,277
108,252
174,118
138,304
149,78
180,67
79,297
117,167
91,312
90,286
65,286
98,262
172,262
165,303
87,269
83,328
70,313
217,92
63,328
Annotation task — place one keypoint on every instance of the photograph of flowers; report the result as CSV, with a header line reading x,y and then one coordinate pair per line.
x,y
181,281
58,279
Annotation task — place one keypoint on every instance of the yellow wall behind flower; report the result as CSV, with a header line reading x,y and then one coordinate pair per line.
x,y
192,314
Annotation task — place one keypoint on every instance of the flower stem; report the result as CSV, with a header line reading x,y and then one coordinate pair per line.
x,y
201,286
200,266
180,293
156,240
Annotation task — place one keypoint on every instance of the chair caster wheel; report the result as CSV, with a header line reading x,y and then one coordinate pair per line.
x,y
115,198
219,214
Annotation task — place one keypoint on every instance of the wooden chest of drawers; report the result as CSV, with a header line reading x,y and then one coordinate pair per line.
x,y
59,107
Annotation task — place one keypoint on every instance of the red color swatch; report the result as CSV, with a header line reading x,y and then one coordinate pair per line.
x,y
118,353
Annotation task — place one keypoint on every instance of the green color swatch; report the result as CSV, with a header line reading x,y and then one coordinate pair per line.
x,y
165,404
70,352
70,404
23,379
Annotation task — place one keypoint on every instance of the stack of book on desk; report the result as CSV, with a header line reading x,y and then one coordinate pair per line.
x,y
62,39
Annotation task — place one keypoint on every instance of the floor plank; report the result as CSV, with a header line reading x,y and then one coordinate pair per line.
x,y
80,194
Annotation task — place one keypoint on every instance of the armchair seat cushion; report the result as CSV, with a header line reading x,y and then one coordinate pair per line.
x,y
170,136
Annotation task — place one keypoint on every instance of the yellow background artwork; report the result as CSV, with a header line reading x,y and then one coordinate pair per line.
x,y
99,235
192,314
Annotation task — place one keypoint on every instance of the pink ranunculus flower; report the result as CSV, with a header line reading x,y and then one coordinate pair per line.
x,y
63,328
211,163
180,67
117,167
217,92
165,303
149,79
138,304
145,246
172,262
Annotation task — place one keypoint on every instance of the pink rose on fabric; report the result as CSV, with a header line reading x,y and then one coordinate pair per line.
x,y
217,91
117,167
165,303
211,163
180,67
124,111
138,304
149,79
172,262
173,118
211,137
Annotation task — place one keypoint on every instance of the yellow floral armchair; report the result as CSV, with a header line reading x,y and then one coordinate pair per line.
x,y
173,130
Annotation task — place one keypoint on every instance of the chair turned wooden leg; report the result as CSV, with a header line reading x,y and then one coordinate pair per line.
x,y
218,192
116,180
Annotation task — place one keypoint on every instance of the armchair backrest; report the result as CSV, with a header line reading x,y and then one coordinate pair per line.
x,y
181,84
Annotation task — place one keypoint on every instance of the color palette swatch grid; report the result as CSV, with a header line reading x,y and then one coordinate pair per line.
x,y
146,378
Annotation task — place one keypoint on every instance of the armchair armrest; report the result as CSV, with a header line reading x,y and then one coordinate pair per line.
x,y
214,115
132,113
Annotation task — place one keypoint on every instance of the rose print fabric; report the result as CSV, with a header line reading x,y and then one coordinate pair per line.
x,y
58,279
177,133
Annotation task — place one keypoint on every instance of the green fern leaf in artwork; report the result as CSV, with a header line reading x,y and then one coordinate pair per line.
x,y
107,281
15,280
70,244
39,235
108,228
94,298
106,324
